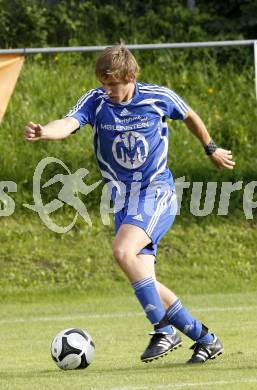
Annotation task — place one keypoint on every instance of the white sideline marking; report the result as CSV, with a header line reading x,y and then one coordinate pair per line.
x,y
116,315
75,317
184,385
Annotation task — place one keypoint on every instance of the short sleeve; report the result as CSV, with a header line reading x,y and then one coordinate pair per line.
x,y
84,110
175,108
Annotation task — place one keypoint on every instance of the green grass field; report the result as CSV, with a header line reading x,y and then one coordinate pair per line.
x,y
119,330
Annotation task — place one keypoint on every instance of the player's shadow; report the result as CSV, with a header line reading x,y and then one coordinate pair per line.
x,y
139,368
174,366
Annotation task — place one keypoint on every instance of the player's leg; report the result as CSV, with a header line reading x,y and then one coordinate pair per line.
x,y
167,296
177,314
207,345
129,241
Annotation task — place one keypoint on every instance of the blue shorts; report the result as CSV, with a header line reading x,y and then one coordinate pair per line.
x,y
153,210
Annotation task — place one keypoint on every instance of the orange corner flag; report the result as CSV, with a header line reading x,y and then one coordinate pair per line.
x,y
10,67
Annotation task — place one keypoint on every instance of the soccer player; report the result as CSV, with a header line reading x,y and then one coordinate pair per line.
x,y
131,143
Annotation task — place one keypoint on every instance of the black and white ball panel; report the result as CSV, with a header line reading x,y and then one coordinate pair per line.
x,y
72,349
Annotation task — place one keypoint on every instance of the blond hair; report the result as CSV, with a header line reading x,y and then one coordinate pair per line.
x,y
117,62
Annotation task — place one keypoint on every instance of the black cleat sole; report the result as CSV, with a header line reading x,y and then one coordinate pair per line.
x,y
162,355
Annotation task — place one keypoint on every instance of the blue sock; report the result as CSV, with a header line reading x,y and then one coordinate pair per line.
x,y
182,320
149,298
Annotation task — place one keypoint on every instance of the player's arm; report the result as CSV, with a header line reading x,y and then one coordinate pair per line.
x,y
222,158
55,130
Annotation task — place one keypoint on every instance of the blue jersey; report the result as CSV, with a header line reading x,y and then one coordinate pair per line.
x,y
131,138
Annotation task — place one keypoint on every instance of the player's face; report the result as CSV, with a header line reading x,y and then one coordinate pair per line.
x,y
118,91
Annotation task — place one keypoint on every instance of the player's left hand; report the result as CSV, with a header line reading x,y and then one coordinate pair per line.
x,y
222,158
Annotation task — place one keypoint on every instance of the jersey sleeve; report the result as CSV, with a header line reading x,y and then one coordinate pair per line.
x,y
175,106
84,110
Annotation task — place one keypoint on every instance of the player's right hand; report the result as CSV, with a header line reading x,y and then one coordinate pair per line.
x,y
33,132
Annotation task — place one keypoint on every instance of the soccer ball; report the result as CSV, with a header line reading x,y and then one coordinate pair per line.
x,y
72,349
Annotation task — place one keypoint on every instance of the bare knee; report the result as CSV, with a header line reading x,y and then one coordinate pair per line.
x,y
119,253
126,257
122,255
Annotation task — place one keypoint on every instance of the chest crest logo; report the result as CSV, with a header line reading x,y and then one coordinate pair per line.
x,y
130,149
